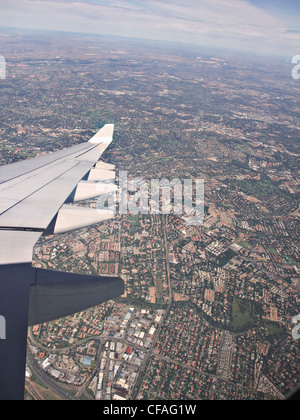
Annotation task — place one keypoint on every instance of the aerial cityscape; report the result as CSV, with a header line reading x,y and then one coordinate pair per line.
x,y
208,309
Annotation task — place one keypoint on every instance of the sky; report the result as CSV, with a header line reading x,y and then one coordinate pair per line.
x,y
264,26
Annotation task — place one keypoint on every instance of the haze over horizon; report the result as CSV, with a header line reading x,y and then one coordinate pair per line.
x,y
263,26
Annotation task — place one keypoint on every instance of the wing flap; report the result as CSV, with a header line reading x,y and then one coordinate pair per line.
x,y
71,218
30,296
16,246
57,294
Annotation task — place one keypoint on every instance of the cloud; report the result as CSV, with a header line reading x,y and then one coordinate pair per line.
x,y
126,7
243,24
287,7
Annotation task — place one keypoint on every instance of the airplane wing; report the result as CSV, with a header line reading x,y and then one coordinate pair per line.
x,y
39,197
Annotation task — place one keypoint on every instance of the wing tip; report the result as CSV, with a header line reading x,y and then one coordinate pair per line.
x,y
104,135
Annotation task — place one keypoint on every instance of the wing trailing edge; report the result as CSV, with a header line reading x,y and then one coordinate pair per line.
x,y
71,218
55,295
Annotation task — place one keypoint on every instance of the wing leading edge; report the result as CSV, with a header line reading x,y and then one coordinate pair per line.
x,y
37,197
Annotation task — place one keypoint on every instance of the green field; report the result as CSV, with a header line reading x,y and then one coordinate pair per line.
x,y
274,331
260,189
242,314
244,244
273,251
133,217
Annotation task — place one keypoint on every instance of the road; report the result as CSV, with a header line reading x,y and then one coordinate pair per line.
x,y
151,351
39,372
32,391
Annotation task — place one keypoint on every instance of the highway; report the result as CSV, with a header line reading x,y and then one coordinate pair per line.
x,y
39,372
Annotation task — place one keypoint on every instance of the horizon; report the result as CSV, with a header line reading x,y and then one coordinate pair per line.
x,y
202,48
255,26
